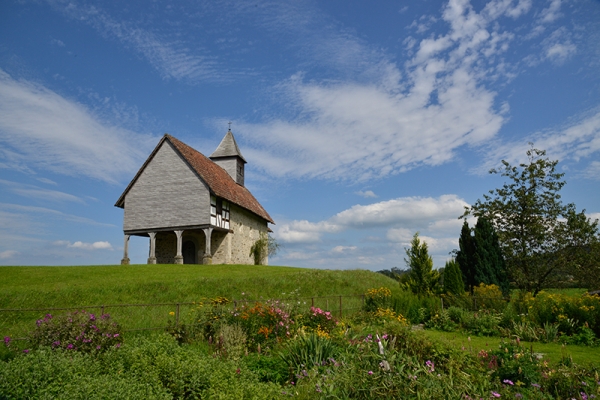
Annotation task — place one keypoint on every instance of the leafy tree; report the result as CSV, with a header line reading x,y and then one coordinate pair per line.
x,y
465,257
490,267
542,240
422,279
453,282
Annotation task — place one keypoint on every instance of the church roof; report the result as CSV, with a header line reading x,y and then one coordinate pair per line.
x,y
218,180
228,148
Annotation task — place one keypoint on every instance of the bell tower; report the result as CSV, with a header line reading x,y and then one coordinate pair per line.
x,y
229,157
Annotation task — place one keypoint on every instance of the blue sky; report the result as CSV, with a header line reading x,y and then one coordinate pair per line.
x,y
362,122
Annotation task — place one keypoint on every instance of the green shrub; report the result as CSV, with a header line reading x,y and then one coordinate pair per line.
x,y
307,351
77,331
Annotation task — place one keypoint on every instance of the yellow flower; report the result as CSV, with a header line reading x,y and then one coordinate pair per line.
x,y
172,313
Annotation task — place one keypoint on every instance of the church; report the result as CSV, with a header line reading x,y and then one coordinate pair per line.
x,y
195,209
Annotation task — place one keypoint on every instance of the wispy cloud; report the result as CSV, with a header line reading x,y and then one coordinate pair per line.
x,y
18,211
366,194
84,246
172,57
32,191
8,254
401,118
573,142
39,129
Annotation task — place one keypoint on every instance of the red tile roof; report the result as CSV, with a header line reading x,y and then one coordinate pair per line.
x,y
218,180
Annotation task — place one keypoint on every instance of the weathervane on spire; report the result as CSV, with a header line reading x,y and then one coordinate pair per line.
x,y
229,125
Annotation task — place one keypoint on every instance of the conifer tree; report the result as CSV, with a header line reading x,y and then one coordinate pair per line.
x,y
422,278
453,282
465,257
489,262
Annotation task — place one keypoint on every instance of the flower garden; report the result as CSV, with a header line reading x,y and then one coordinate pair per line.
x,y
273,349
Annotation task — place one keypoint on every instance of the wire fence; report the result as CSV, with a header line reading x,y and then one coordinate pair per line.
x,y
18,322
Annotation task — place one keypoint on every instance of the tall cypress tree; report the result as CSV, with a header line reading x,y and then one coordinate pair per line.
x,y
489,262
465,257
453,282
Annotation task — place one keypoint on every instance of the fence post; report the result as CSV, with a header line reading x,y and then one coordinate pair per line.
x,y
312,301
177,315
327,304
340,306
102,311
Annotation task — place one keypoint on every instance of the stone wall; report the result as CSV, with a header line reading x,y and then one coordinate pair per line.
x,y
246,228
226,247
166,247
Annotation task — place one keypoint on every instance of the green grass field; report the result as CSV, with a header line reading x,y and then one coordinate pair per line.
x,y
84,286
553,352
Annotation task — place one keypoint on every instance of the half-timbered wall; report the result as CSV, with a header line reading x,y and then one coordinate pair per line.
x,y
166,194
246,230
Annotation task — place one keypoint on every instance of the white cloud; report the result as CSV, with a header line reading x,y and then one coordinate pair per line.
x,y
8,254
412,213
366,194
551,13
85,246
31,191
39,129
343,249
573,142
25,215
402,116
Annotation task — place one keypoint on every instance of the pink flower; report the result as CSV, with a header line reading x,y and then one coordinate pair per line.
x,y
370,372
495,394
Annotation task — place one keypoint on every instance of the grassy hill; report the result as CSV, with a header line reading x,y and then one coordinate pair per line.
x,y
61,287
34,287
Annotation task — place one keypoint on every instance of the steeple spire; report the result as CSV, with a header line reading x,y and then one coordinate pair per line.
x,y
229,157
227,148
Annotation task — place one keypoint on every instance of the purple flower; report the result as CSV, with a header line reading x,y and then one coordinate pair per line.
x,y
38,322
6,340
119,345
57,343
536,385
495,394
48,316
583,396
370,372
92,317
70,346
26,351
116,335
508,382
430,365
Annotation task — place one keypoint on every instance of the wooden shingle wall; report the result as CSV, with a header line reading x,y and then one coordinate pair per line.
x,y
166,194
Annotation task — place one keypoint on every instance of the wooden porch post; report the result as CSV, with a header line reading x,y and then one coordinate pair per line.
x,y
125,260
152,256
178,256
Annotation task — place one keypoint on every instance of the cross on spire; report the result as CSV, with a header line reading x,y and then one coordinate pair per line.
x,y
229,125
